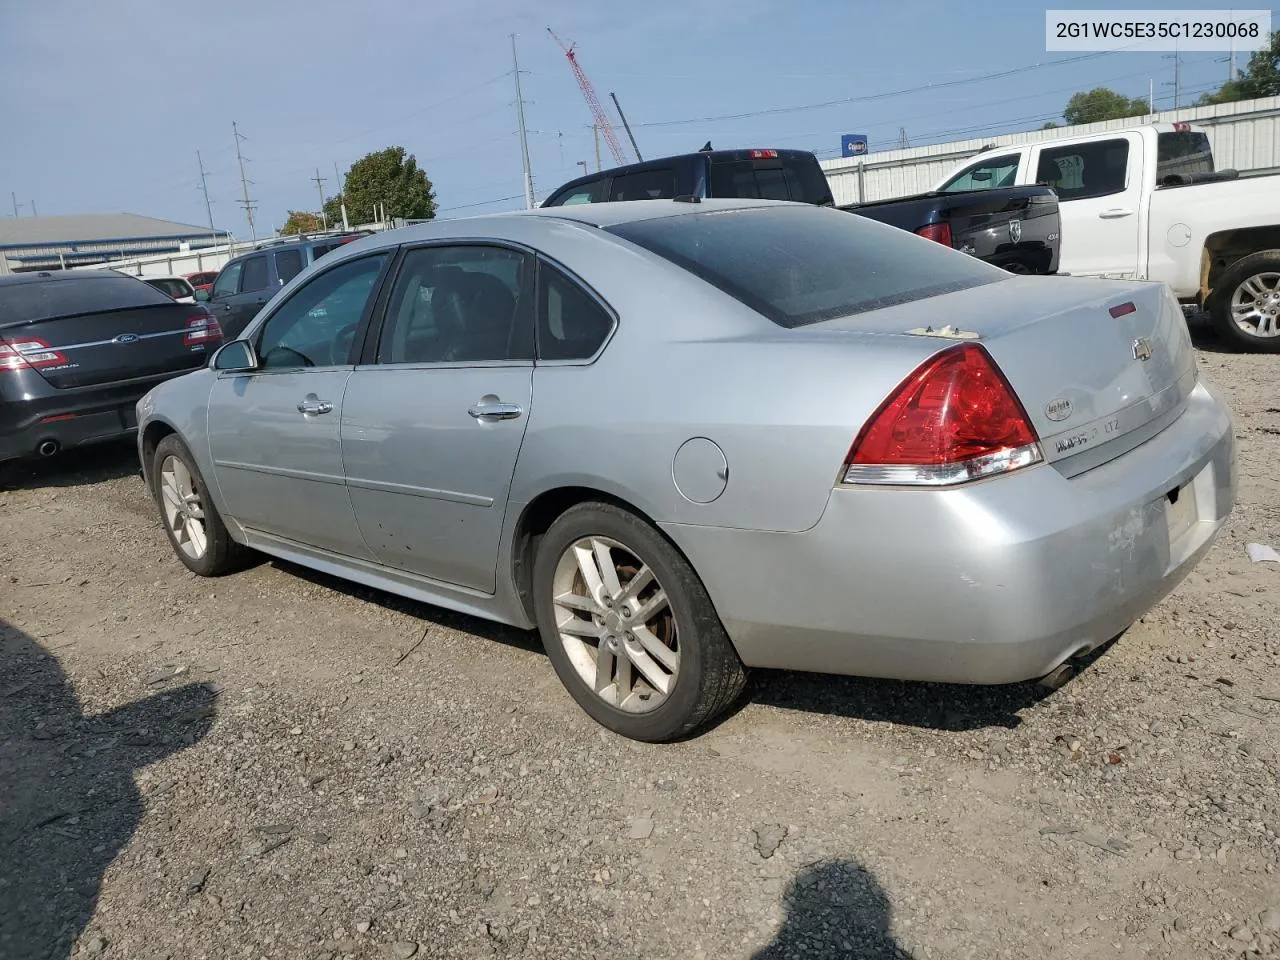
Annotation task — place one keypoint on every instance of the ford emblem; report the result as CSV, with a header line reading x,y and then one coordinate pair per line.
x,y
126,338
1058,409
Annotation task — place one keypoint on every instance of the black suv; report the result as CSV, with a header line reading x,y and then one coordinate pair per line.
x,y
746,174
248,281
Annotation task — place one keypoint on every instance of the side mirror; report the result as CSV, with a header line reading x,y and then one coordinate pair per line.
x,y
236,355
202,296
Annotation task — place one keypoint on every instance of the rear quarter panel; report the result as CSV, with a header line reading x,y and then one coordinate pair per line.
x,y
686,362
181,405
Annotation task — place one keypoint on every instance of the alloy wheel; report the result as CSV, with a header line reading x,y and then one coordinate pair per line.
x,y
183,509
1255,305
616,624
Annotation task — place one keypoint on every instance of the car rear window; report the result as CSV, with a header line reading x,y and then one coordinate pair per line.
x,y
1183,152
786,178
173,288
67,297
804,264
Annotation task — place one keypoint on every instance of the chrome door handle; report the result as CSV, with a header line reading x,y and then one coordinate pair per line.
x,y
313,408
490,410
1115,213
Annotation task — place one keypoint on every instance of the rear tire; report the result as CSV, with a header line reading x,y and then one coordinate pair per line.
x,y
629,627
1247,295
196,531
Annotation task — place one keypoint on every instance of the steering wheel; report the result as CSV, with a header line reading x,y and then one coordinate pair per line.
x,y
340,346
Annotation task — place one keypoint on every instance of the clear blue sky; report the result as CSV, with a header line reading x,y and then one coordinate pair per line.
x,y
105,102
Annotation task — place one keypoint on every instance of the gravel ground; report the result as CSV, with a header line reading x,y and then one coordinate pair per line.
x,y
278,764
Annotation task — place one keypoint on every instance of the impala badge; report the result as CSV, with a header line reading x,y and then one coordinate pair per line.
x,y
126,338
1058,409
1142,349
1015,231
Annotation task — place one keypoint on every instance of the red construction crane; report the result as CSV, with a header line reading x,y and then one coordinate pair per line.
x,y
589,94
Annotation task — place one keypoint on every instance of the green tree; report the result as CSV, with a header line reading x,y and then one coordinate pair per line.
x,y
301,221
1101,103
1260,77
1050,126
389,177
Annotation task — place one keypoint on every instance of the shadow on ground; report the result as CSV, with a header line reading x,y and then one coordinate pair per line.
x,y
835,909
73,468
68,802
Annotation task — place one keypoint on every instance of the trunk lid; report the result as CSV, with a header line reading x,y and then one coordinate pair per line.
x,y
113,345
1100,365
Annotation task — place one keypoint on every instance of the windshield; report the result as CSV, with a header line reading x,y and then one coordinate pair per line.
x,y
1183,152
803,264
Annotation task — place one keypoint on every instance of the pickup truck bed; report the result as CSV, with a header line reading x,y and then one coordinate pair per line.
x,y
1017,228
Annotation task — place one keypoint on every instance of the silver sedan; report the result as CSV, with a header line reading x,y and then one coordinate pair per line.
x,y
684,439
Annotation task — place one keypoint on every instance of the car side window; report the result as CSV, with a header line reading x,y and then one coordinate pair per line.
x,y
454,304
288,264
228,280
645,185
316,326
254,275
984,175
571,323
1085,170
592,192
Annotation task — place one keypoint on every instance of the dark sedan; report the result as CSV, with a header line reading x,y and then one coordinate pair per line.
x,y
77,351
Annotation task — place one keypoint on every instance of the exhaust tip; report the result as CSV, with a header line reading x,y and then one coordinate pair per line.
x,y
1056,678
48,448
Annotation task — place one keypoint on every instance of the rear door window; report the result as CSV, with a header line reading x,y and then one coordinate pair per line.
x,y
571,323
1183,152
27,302
254,276
1085,170
288,264
645,185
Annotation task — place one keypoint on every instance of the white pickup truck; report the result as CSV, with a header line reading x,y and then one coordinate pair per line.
x,y
1147,204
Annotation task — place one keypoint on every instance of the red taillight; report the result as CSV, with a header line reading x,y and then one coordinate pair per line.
x,y
29,353
938,232
202,328
1123,309
954,419
764,154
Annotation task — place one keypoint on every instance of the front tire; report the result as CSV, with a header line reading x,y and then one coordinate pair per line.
x,y
628,626
195,529
1245,305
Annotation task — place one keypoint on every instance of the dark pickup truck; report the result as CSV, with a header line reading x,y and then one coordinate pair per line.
x,y
1012,227
1017,228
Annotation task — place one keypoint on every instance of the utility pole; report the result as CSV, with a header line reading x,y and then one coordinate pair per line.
x,y
1151,95
244,183
627,126
34,211
342,195
595,134
903,142
524,142
320,188
16,204
1177,76
208,207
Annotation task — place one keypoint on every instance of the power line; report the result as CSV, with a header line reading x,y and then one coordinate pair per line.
x,y
880,96
481,203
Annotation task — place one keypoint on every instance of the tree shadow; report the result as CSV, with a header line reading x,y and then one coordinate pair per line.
x,y
68,801
77,467
835,909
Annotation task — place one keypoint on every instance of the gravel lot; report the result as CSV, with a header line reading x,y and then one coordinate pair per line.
x,y
278,764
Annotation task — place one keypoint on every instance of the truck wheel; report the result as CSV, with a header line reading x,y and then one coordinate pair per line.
x,y
1245,304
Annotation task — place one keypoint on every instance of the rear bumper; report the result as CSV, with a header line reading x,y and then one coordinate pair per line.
x,y
994,583
70,418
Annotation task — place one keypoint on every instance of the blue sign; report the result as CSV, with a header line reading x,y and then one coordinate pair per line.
x,y
853,144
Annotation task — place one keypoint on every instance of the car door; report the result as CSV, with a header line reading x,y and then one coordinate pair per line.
x,y
274,432
1099,187
434,418
225,286
250,297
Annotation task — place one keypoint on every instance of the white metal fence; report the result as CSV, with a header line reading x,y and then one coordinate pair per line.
x,y
1245,136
